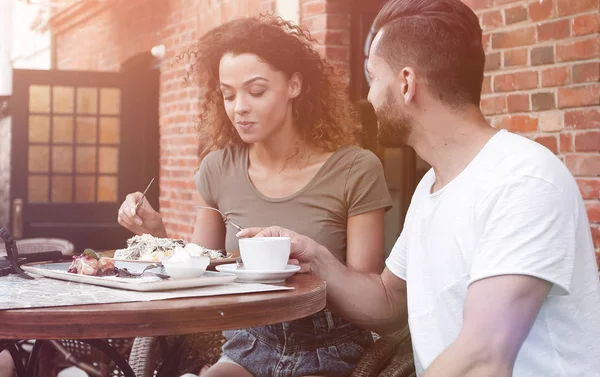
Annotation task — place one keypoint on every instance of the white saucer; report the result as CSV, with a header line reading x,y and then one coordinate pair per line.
x,y
258,276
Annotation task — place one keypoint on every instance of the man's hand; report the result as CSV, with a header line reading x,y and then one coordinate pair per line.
x,y
373,301
144,220
303,249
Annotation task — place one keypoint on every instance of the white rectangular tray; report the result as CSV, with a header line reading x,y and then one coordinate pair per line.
x,y
141,284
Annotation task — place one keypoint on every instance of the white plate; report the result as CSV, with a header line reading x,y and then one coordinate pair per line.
x,y
258,276
142,284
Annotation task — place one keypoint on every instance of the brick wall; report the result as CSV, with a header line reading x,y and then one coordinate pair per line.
x,y
542,81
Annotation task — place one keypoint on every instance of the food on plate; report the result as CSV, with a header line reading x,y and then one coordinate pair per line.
x,y
91,264
155,249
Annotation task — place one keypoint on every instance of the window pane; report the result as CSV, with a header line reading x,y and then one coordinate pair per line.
x,y
109,130
107,188
85,161
39,129
37,187
109,160
86,130
62,129
85,189
62,189
38,158
39,99
62,101
110,101
87,100
62,159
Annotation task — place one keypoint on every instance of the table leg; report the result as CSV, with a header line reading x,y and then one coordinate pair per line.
x,y
171,361
33,358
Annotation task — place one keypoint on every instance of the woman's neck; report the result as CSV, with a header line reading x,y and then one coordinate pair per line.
x,y
282,149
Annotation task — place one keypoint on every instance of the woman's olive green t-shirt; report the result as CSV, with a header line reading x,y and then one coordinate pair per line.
x,y
349,183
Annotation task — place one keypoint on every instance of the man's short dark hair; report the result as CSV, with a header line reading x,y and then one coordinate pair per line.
x,y
439,38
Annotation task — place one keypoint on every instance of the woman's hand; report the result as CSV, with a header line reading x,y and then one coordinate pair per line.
x,y
144,220
303,249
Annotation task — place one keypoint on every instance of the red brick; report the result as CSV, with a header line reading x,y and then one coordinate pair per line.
x,y
514,38
515,81
542,101
486,41
486,87
586,72
555,77
588,141
515,14
493,61
596,238
578,50
503,2
589,188
479,4
549,142
579,96
515,58
542,55
586,24
583,119
338,53
517,103
541,10
597,255
583,164
554,30
566,142
491,19
593,211
493,105
568,7
517,123
315,7
550,121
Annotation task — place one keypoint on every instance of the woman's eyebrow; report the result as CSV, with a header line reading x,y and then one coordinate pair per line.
x,y
247,81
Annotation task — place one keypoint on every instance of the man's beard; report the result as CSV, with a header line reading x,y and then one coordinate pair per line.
x,y
393,127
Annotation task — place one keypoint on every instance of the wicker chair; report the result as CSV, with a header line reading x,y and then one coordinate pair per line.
x,y
390,356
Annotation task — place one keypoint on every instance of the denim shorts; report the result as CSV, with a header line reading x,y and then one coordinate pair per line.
x,y
322,344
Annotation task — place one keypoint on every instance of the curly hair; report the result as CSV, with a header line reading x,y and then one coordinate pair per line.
x,y
323,112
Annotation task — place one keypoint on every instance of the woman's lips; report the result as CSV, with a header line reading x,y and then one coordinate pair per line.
x,y
245,126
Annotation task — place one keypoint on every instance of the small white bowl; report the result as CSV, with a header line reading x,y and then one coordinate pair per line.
x,y
191,268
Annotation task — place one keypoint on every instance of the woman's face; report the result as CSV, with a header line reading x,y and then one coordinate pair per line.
x,y
257,98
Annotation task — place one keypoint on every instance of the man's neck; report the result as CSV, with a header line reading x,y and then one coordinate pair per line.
x,y
450,141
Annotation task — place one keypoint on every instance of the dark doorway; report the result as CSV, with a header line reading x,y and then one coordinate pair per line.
x,y
81,141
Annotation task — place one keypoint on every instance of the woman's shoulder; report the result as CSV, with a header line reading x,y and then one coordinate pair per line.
x,y
355,156
224,159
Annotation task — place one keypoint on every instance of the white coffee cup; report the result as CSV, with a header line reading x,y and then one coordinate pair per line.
x,y
265,253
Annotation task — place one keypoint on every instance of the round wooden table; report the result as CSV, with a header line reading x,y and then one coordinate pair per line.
x,y
166,317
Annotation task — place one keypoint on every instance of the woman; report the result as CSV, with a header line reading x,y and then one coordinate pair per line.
x,y
278,137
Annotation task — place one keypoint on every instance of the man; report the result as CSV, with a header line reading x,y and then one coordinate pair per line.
x,y
495,265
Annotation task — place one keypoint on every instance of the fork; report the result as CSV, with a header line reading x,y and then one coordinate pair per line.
x,y
225,219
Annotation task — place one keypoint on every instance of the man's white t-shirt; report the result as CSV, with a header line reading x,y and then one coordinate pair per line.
x,y
515,209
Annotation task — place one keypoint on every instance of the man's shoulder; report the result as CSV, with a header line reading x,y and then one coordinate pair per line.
x,y
511,156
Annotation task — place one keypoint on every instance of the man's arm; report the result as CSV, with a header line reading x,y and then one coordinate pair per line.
x,y
498,315
376,302
372,301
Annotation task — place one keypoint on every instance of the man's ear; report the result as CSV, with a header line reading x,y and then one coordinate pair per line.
x,y
295,85
409,84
